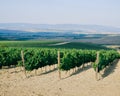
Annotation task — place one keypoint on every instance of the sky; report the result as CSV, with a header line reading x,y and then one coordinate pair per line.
x,y
99,12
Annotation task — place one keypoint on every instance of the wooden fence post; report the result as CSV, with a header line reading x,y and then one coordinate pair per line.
x,y
59,65
97,61
22,56
96,73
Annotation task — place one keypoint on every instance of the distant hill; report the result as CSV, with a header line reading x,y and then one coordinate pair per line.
x,y
71,28
6,34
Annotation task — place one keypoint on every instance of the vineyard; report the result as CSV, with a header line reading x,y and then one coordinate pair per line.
x,y
35,58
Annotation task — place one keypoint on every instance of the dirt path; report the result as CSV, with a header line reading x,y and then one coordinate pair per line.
x,y
62,43
82,83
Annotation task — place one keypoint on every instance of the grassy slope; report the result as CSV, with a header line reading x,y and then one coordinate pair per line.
x,y
45,44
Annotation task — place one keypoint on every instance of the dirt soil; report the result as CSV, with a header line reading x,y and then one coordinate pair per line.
x,y
81,83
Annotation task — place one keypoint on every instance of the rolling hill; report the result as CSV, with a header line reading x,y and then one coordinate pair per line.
x,y
71,28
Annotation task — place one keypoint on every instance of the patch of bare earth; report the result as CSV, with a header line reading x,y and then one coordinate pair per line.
x,y
81,83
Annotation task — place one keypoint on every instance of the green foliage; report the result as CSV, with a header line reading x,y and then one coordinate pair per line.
x,y
75,58
9,56
105,58
34,58
70,58
37,58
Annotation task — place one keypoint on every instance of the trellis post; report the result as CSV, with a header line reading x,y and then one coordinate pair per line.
x,y
22,56
97,61
59,65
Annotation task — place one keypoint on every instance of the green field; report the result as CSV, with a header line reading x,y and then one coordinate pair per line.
x,y
51,44
27,43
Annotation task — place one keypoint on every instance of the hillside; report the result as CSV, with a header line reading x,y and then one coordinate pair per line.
x,y
82,83
107,40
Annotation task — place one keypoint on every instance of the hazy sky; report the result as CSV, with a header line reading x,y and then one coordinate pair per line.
x,y
100,12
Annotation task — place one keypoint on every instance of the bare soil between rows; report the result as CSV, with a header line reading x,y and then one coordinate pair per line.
x,y
81,83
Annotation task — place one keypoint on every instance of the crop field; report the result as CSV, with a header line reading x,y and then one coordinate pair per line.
x,y
44,72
